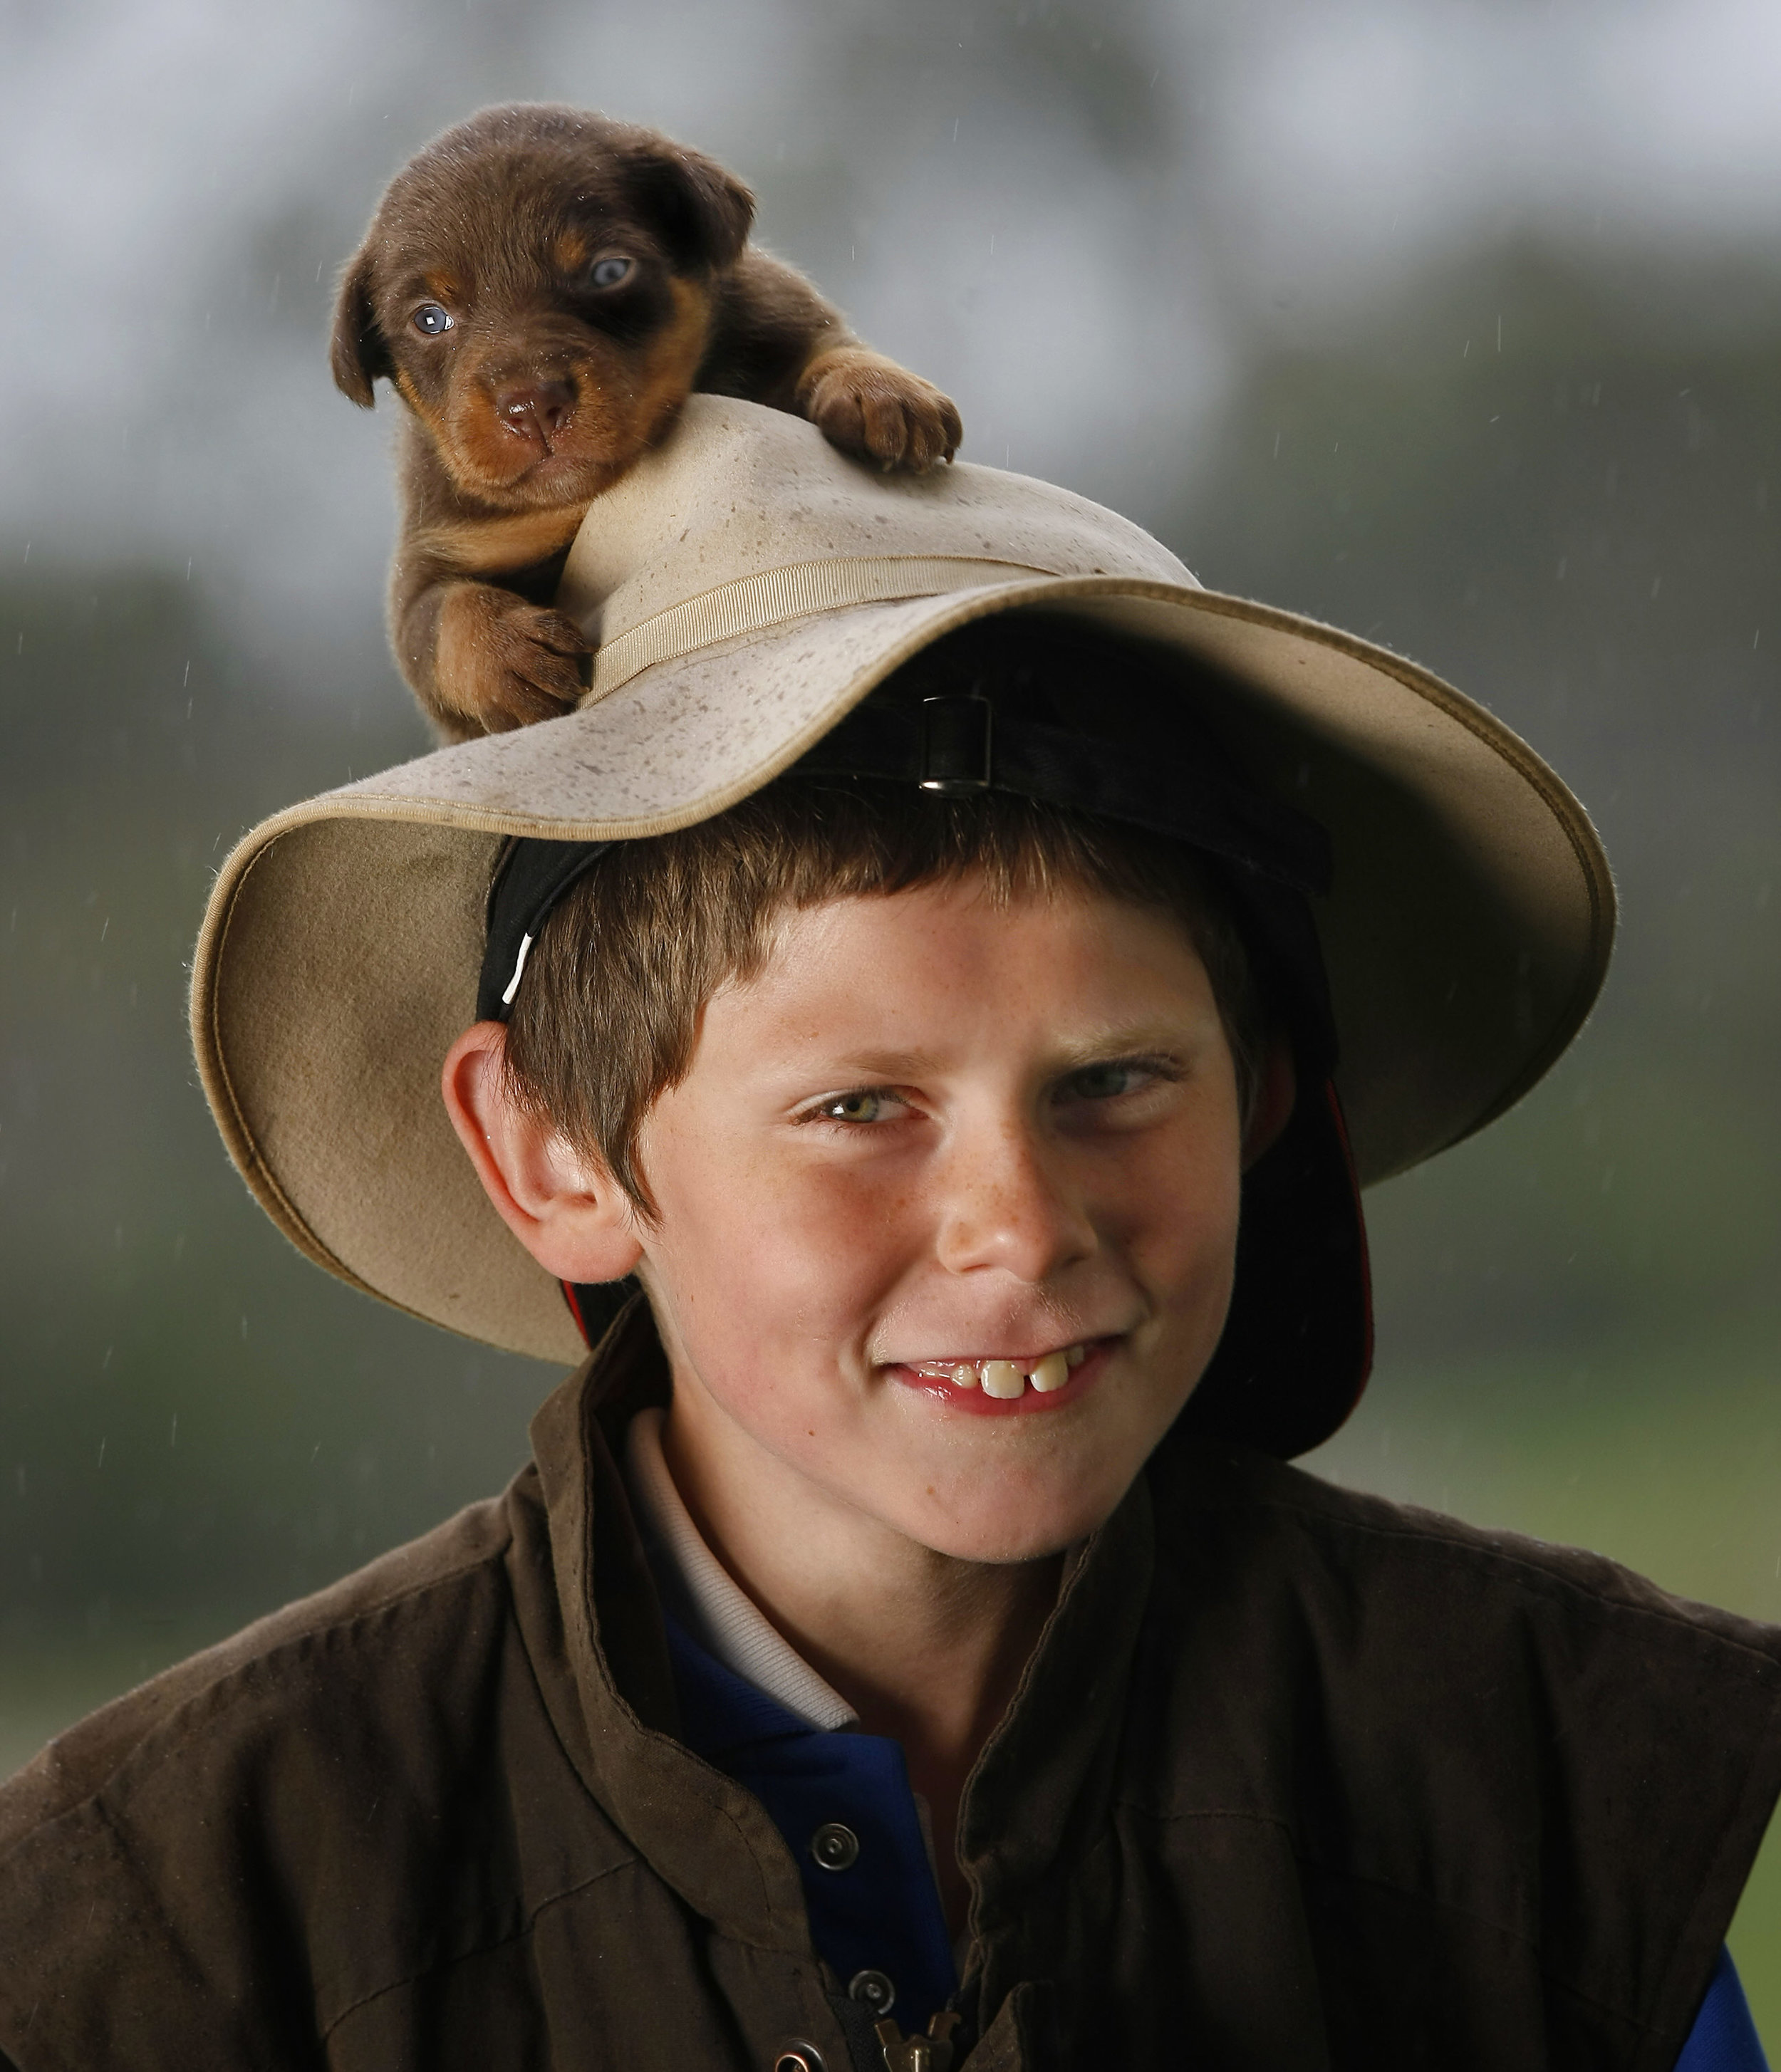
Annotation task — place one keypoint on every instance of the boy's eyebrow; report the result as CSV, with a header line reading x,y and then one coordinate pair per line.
x,y
1145,1039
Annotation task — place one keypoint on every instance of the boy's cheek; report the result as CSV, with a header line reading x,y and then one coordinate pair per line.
x,y
1174,1218
778,1222
775,1274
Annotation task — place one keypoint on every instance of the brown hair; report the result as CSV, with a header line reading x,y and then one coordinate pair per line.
x,y
607,1017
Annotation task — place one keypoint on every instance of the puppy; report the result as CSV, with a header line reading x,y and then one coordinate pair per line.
x,y
543,288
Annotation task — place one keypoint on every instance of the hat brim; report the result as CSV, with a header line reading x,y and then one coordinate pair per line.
x,y
1466,934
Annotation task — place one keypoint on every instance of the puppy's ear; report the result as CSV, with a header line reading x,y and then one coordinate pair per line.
x,y
358,354
702,213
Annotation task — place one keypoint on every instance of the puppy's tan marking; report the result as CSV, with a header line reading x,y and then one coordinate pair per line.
x,y
423,409
674,367
500,546
570,251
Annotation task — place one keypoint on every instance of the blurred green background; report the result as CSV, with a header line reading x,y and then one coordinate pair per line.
x,y
1531,433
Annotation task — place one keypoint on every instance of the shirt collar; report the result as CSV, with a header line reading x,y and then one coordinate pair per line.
x,y
707,1601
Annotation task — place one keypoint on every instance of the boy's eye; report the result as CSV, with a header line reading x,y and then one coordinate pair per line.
x,y
864,1104
1096,1082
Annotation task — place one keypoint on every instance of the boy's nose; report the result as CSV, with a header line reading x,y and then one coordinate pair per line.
x,y
1005,1207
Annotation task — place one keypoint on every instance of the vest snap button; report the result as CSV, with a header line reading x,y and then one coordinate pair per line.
x,y
798,2057
872,1989
835,1847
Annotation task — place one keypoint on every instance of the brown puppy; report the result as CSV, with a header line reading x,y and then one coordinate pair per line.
x,y
544,288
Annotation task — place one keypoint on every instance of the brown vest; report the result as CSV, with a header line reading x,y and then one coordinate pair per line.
x,y
1297,1779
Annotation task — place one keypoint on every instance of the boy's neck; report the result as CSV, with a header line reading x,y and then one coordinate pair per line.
x,y
927,1649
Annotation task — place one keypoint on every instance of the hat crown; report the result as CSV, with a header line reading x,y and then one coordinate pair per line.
x,y
743,494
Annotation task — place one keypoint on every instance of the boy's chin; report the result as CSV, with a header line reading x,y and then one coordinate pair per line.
x,y
1000,1537
1001,1510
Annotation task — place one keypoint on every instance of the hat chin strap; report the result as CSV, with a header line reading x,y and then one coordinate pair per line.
x,y
531,877
1298,1345
592,1305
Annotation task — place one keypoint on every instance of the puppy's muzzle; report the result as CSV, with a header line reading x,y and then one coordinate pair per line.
x,y
535,411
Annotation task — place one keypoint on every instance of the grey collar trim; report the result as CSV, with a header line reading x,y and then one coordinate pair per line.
x,y
719,1617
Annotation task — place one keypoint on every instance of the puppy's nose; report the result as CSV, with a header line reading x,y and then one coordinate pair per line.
x,y
536,409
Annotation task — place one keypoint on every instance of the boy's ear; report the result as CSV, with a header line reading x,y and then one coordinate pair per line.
x,y
357,353
1276,1094
702,214
571,1214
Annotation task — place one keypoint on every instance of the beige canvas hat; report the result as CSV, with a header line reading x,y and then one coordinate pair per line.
x,y
748,587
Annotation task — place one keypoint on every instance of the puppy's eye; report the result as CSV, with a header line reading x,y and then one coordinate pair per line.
x,y
430,319
609,273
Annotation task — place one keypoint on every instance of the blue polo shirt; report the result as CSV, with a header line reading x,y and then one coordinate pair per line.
x,y
1724,2038
874,1907
843,1802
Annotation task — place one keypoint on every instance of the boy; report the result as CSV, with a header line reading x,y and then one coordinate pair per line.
x,y
933,966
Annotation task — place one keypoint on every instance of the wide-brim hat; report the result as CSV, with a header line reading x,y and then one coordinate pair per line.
x,y
748,587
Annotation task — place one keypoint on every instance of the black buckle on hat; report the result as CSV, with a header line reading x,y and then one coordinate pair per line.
x,y
955,745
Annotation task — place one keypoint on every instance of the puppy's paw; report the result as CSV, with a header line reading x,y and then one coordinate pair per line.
x,y
500,663
870,407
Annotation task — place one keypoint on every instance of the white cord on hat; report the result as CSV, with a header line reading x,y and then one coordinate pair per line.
x,y
518,969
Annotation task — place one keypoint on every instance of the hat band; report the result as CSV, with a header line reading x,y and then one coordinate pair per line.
x,y
802,589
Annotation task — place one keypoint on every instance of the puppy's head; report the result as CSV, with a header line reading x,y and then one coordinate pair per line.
x,y
537,285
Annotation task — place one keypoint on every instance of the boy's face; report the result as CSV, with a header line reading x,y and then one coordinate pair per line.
x,y
931,1134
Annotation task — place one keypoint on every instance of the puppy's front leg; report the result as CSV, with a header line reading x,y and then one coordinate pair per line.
x,y
775,340
483,658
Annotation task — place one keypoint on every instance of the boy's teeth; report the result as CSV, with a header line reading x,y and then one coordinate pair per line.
x,y
1008,1378
1052,1372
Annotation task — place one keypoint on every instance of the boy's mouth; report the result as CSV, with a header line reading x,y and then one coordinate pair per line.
x,y
991,1384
